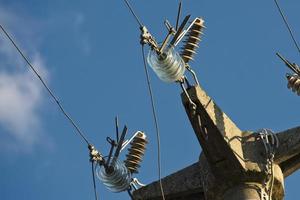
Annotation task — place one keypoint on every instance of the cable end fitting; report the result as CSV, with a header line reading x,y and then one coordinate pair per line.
x,y
95,156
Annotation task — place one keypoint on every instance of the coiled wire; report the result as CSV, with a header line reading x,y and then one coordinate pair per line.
x,y
192,40
136,152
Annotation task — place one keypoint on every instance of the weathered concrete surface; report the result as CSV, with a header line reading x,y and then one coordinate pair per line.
x,y
198,182
216,187
288,153
184,184
214,129
233,164
242,191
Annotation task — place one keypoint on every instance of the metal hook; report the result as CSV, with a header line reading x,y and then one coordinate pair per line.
x,y
188,67
191,103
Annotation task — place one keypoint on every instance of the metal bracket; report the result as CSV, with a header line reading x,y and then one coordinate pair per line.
x,y
135,183
125,144
171,31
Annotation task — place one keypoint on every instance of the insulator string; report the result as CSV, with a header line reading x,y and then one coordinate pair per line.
x,y
287,25
78,130
155,122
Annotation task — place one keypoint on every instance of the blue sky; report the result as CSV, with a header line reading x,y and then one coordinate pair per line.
x,y
89,53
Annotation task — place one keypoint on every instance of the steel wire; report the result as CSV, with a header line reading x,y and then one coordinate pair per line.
x,y
78,130
155,122
287,25
94,181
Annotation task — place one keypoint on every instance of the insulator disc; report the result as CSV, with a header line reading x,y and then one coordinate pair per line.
x,y
168,66
116,180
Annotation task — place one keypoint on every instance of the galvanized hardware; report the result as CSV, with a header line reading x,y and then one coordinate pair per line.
x,y
187,66
171,31
147,38
192,105
192,39
127,142
271,143
135,183
119,145
113,145
136,152
95,155
180,32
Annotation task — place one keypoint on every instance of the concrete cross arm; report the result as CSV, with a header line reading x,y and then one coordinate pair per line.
x,y
184,184
288,153
216,132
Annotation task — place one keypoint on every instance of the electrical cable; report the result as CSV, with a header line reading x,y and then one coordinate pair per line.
x,y
155,121
133,13
130,195
287,25
78,130
94,181
152,104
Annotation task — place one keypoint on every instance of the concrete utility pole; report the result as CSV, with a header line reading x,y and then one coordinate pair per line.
x,y
234,164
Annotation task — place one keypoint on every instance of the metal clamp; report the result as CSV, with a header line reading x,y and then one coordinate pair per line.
x,y
95,155
147,38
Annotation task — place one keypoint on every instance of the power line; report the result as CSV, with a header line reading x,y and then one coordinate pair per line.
x,y
152,104
133,13
155,121
73,123
94,181
287,25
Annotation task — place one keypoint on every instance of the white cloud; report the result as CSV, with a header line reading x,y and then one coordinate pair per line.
x,y
78,22
21,94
